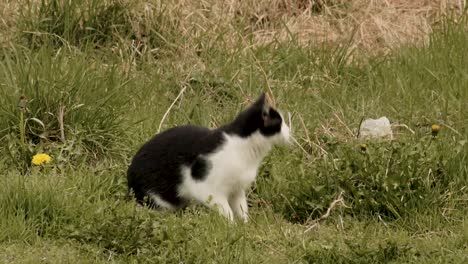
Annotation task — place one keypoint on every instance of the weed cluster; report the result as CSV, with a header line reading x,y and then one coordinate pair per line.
x,y
391,179
61,105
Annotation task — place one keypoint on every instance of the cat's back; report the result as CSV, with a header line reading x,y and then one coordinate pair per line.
x,y
174,140
182,134
177,145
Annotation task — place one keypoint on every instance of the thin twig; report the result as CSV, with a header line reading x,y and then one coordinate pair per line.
x,y
405,126
338,201
299,145
451,128
309,141
61,113
344,124
359,128
380,218
170,107
324,152
341,223
265,76
22,125
305,130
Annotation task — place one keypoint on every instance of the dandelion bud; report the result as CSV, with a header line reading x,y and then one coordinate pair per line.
x,y
435,130
23,101
363,147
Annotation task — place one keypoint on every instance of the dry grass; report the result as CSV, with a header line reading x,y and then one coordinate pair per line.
x,y
8,12
371,25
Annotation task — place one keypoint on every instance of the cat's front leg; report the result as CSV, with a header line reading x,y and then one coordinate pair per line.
x,y
222,204
238,203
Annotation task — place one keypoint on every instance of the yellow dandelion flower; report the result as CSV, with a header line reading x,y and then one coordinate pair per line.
x,y
40,159
435,130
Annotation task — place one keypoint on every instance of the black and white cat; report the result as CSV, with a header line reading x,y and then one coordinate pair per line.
x,y
213,167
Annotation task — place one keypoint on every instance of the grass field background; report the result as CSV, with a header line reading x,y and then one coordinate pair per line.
x,y
98,76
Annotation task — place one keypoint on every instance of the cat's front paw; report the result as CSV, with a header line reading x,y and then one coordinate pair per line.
x,y
244,217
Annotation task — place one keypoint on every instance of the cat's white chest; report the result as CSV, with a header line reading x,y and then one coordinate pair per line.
x,y
236,163
231,168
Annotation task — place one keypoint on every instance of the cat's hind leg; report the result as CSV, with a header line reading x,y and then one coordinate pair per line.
x,y
160,202
136,194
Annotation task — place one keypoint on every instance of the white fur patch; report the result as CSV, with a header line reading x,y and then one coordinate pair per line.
x,y
160,202
233,170
285,135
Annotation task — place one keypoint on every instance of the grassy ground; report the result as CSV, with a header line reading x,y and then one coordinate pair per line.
x,y
99,77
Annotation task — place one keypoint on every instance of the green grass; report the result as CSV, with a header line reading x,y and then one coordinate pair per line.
x,y
87,219
406,199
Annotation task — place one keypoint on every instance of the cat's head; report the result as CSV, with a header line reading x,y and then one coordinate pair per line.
x,y
261,118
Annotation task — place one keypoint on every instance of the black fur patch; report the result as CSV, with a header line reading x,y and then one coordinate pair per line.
x,y
273,126
258,117
200,168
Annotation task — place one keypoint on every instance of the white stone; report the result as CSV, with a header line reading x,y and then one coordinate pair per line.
x,y
376,128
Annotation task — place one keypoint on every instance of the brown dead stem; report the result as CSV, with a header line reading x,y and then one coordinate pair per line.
x,y
339,201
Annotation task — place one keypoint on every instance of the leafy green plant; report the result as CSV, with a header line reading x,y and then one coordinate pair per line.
x,y
390,178
68,105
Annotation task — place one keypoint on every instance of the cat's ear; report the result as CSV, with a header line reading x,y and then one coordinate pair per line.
x,y
261,100
268,119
